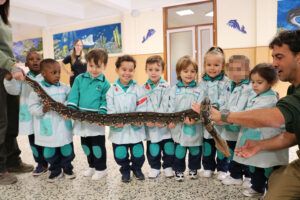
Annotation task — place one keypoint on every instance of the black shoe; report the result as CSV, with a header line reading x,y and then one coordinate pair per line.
x,y
138,174
126,177
21,168
69,174
55,177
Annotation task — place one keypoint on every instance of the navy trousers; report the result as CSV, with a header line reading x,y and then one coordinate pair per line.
x,y
37,152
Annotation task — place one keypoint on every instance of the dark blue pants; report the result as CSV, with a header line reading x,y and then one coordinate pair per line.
x,y
238,170
164,149
94,149
136,159
194,158
212,158
260,177
60,158
37,152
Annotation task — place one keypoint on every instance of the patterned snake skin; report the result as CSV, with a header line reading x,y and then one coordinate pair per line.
x,y
131,118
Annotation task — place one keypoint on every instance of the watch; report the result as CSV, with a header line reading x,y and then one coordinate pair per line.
x,y
224,115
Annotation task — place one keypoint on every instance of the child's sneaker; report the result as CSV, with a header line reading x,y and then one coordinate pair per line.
x,y
53,177
69,174
153,173
126,177
246,183
99,175
207,173
39,170
168,172
252,193
193,174
138,174
221,175
179,176
89,172
232,181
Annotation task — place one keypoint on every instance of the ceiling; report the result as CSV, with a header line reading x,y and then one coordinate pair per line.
x,y
35,15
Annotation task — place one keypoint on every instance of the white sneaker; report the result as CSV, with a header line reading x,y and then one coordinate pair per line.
x,y
169,172
207,173
99,175
89,172
153,173
221,175
246,183
193,174
252,193
232,181
179,176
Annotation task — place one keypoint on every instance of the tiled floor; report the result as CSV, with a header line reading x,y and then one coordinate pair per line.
x,y
111,187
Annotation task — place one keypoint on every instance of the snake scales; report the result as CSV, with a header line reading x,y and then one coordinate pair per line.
x,y
132,118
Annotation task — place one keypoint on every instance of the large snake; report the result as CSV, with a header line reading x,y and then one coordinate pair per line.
x,y
132,118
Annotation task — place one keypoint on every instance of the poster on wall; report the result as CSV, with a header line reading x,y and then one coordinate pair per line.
x,y
21,48
107,37
288,15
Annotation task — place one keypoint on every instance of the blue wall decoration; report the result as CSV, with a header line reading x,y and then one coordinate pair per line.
x,y
21,48
233,23
107,37
148,35
288,15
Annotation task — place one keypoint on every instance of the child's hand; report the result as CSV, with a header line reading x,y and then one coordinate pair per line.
x,y
121,125
8,76
196,107
138,124
150,124
46,108
171,125
189,121
159,125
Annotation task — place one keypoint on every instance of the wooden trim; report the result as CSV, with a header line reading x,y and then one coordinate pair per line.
x,y
188,4
190,26
165,25
215,39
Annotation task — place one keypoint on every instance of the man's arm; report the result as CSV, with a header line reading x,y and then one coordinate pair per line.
x,y
269,117
252,147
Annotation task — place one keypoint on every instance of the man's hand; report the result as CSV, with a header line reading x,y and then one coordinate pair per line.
x,y
18,73
250,148
8,76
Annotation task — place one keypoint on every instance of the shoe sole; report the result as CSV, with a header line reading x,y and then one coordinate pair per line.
x,y
38,174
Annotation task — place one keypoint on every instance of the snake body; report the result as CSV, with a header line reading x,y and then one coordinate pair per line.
x,y
131,118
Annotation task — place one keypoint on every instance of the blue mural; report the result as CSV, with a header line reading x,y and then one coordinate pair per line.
x,y
21,48
288,15
107,37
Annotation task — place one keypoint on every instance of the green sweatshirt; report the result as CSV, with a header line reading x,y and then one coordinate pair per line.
x,y
7,60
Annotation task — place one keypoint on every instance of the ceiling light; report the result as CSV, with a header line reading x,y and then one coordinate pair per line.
x,y
185,12
209,14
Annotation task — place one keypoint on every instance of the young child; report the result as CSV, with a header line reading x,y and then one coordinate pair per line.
x,y
88,93
126,96
52,131
234,99
159,139
214,81
15,87
187,135
263,77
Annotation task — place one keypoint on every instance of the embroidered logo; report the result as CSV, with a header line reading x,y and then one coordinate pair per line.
x,y
141,101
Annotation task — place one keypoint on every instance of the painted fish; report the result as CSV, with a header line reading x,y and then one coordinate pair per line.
x,y
149,34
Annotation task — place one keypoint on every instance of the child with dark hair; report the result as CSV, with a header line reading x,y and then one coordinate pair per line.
x,y
160,145
88,93
15,87
263,77
52,131
126,96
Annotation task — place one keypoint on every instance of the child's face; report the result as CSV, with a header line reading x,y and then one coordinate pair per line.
x,y
125,72
213,65
51,73
259,84
238,71
94,69
188,75
33,62
154,72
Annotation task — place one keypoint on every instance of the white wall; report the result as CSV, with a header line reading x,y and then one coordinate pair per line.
x,y
259,17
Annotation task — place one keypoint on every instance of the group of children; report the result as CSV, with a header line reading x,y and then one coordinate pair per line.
x,y
50,135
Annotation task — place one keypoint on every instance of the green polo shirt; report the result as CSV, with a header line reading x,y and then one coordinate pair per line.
x,y
290,108
7,60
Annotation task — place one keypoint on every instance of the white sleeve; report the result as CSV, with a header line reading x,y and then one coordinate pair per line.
x,y
13,87
35,105
110,101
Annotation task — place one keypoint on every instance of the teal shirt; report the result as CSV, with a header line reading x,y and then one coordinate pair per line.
x,y
89,94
